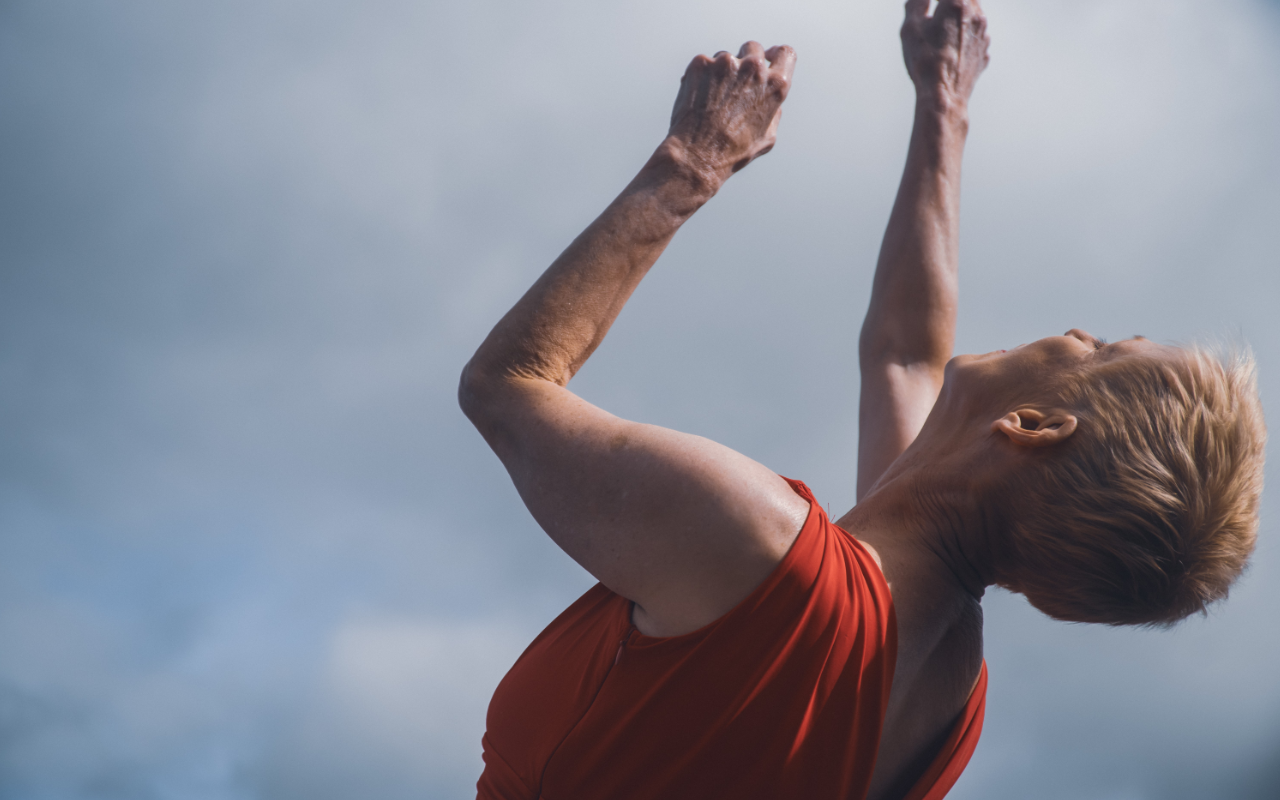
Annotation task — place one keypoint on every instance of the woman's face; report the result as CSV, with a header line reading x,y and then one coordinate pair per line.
x,y
992,381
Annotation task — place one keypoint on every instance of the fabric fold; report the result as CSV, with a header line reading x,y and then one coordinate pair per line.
x,y
783,696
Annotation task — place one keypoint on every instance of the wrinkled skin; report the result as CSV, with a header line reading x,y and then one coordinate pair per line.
x,y
686,528
945,53
726,114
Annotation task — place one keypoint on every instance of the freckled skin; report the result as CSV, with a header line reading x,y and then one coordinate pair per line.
x,y
686,528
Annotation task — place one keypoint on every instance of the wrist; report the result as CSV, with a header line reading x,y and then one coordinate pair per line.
x,y
680,180
943,109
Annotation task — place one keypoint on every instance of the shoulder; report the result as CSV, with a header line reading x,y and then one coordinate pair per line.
x,y
732,553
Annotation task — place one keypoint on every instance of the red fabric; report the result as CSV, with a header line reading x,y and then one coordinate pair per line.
x,y
784,696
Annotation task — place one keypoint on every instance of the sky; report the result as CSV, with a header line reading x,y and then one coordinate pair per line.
x,y
249,547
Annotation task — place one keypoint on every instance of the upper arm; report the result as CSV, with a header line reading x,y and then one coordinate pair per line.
x,y
895,400
682,526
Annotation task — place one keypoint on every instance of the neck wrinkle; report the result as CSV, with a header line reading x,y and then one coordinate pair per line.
x,y
945,517
955,528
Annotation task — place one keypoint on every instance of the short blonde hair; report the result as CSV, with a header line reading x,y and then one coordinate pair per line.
x,y
1150,511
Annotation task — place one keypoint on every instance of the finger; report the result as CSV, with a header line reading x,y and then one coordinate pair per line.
x,y
725,61
698,63
782,60
751,61
952,13
917,9
957,9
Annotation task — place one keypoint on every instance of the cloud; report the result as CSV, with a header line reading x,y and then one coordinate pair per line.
x,y
249,547
395,711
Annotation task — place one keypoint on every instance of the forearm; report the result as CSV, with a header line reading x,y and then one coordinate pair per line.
x,y
564,316
725,115
910,326
911,319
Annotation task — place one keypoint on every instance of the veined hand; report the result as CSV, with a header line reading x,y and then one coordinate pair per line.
x,y
945,52
726,114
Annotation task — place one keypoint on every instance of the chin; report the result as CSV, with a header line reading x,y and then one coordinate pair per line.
x,y
959,365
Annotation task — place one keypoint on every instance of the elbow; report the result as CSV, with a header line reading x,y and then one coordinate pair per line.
x,y
480,398
472,392
872,348
488,398
881,348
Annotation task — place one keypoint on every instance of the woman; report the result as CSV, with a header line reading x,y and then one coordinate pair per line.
x,y
741,645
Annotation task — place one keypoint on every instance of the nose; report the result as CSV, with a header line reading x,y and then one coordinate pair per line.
x,y
1084,336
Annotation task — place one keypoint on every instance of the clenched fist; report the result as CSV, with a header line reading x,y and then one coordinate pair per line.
x,y
946,52
727,112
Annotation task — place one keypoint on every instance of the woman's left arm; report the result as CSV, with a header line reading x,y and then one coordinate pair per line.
x,y
910,325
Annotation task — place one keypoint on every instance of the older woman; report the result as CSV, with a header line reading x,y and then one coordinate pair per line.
x,y
741,645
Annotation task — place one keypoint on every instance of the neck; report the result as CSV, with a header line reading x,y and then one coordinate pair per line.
x,y
931,518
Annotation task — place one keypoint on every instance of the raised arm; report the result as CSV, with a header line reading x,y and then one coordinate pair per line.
x,y
910,326
682,526
726,115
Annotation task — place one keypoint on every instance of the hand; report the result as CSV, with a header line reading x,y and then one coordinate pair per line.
x,y
727,112
946,52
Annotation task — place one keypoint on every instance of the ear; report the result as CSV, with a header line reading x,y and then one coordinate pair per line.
x,y
1034,427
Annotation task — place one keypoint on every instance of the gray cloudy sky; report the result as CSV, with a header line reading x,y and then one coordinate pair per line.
x,y
250,549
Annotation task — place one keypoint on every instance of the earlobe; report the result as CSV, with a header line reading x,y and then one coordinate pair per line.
x,y
1032,427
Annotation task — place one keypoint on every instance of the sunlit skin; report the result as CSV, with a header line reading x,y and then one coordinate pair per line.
x,y
1007,373
684,527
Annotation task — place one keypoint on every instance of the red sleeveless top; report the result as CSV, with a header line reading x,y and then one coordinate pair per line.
x,y
783,697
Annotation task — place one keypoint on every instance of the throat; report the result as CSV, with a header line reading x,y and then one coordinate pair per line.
x,y
928,538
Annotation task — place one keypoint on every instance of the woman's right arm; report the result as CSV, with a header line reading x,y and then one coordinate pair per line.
x,y
909,329
680,525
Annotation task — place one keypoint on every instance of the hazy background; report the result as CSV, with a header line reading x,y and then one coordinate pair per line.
x,y
249,548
